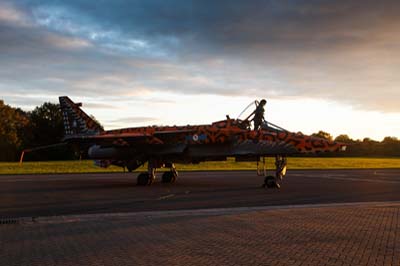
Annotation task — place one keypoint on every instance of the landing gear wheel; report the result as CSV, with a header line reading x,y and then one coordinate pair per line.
x,y
168,177
144,179
270,182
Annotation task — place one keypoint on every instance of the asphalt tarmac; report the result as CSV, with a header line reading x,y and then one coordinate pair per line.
x,y
66,194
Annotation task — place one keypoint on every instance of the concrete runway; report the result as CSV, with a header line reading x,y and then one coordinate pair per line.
x,y
341,217
67,194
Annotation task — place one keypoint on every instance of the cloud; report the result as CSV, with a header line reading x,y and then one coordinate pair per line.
x,y
67,43
92,105
345,52
130,121
134,119
10,15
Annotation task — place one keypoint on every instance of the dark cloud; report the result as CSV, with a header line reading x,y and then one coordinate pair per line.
x,y
339,50
224,24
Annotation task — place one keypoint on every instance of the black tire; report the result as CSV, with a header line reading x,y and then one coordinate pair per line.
x,y
270,182
168,177
143,179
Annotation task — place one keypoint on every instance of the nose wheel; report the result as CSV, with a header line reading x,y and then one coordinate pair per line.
x,y
270,182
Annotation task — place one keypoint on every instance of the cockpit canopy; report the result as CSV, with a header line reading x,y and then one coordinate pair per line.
x,y
247,123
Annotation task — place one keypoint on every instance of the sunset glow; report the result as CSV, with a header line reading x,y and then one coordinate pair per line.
x,y
321,65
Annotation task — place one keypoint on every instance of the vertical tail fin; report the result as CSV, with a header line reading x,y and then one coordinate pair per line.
x,y
77,121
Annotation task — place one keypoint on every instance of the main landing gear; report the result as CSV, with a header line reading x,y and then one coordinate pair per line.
x,y
148,178
273,181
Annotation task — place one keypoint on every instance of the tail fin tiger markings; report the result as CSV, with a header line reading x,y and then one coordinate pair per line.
x,y
76,121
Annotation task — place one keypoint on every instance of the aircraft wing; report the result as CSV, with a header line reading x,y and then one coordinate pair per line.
x,y
121,138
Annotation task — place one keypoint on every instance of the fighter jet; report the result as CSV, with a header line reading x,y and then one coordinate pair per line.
x,y
164,146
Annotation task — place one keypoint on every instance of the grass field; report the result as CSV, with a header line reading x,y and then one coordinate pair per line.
x,y
293,163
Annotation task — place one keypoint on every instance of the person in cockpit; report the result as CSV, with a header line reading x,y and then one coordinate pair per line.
x,y
259,114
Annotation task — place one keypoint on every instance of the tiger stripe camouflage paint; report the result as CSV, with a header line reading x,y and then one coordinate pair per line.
x,y
132,147
229,131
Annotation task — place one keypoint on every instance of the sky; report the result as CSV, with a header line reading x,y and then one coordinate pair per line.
x,y
321,65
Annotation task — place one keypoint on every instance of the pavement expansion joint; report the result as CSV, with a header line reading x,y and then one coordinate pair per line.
x,y
191,212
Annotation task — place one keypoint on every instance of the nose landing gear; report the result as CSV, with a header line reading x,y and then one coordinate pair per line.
x,y
273,181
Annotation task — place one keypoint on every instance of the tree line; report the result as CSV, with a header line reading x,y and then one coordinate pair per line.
x,y
388,147
44,125
21,130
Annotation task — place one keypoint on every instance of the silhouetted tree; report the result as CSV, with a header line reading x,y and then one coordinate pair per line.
x,y
47,126
343,138
391,146
369,141
12,123
390,140
323,135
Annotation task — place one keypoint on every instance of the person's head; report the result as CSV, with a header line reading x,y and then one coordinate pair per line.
x,y
263,102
